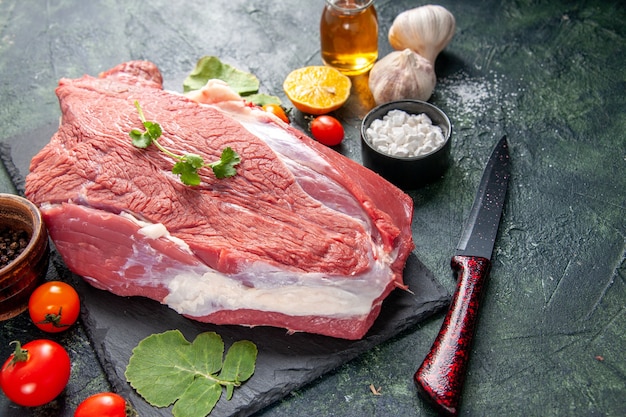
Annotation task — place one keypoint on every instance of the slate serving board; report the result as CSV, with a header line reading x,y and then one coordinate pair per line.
x,y
115,325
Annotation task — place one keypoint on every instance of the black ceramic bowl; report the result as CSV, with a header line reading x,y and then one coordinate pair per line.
x,y
408,172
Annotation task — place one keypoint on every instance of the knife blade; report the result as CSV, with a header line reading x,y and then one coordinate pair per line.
x,y
440,377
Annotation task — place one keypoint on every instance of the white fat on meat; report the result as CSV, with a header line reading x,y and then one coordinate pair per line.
x,y
201,291
155,231
308,295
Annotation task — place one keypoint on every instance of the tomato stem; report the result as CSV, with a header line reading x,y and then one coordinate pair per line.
x,y
19,355
130,411
54,319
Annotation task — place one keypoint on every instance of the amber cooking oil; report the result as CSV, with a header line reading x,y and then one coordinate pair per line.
x,y
349,35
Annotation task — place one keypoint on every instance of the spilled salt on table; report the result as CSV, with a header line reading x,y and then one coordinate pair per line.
x,y
402,134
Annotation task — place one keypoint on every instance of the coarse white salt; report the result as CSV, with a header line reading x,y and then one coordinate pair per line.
x,y
401,134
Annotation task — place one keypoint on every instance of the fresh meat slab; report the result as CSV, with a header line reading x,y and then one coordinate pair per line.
x,y
301,238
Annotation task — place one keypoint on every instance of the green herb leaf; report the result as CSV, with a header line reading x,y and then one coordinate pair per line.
x,y
188,405
243,83
188,174
261,99
210,67
225,167
187,165
140,139
151,134
153,129
194,160
237,366
166,369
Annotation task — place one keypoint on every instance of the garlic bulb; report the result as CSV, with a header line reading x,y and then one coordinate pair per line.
x,y
402,75
426,30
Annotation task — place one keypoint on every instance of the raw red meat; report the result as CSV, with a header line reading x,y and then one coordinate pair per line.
x,y
301,238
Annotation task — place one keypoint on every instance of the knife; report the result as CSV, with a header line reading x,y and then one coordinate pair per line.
x,y
440,377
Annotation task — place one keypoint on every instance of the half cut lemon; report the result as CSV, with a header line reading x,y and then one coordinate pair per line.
x,y
317,89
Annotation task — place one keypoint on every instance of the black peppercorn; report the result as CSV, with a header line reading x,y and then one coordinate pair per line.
x,y
12,243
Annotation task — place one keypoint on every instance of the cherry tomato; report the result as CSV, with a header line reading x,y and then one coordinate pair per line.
x,y
104,404
327,130
277,110
35,373
54,306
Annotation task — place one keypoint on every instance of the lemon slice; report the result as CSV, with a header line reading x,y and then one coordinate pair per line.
x,y
317,89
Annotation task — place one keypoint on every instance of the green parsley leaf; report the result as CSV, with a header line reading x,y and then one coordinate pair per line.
x,y
225,167
166,369
194,160
188,174
153,129
140,139
187,165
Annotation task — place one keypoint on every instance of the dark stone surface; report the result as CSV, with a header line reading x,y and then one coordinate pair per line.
x,y
549,74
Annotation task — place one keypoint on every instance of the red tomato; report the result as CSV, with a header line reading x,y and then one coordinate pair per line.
x,y
277,110
104,404
327,130
36,373
54,306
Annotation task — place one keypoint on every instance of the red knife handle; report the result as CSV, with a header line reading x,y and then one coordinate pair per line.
x,y
440,377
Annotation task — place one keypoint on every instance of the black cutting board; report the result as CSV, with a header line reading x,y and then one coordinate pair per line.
x,y
115,325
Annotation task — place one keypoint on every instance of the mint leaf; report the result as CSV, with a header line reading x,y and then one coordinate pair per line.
x,y
166,369
210,67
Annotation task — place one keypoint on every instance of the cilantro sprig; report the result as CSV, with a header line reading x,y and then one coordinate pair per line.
x,y
167,369
187,165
